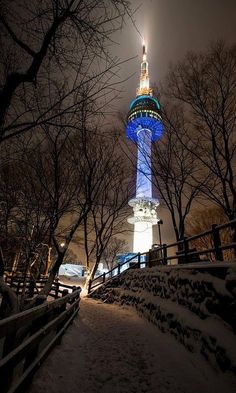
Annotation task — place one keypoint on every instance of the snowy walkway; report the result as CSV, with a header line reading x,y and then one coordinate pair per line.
x,y
109,349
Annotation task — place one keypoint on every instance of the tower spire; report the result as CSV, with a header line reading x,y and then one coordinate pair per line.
x,y
144,88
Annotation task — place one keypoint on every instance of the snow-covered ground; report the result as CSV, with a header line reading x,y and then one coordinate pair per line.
x,y
77,281
110,349
198,308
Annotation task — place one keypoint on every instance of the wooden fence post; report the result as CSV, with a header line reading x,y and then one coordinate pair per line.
x,y
73,290
233,234
89,285
62,308
164,249
12,279
217,243
186,250
36,325
139,258
31,287
6,376
40,299
56,289
104,277
65,292
18,287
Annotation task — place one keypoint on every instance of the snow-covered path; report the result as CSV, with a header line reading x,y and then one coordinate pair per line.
x,y
109,349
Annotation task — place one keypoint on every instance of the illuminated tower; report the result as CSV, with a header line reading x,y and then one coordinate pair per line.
x,y
144,126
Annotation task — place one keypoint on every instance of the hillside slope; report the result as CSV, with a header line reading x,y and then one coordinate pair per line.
x,y
199,309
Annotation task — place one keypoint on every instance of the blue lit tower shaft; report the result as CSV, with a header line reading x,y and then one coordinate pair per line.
x,y
144,126
143,181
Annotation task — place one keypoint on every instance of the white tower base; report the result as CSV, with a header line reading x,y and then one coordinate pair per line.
x,y
144,218
142,236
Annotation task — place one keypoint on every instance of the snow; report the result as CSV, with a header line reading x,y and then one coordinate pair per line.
x,y
71,270
197,308
208,336
202,293
111,349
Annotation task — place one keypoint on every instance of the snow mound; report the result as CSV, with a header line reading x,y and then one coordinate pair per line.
x,y
198,308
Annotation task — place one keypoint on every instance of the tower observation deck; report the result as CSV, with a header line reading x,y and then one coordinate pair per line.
x,y
144,126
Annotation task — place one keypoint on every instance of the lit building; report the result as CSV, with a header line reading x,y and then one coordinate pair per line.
x,y
144,126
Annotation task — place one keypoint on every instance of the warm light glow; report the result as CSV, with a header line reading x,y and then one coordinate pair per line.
x,y
144,78
142,236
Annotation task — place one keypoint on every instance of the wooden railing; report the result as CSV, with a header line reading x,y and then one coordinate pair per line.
x,y
16,282
186,254
134,262
27,338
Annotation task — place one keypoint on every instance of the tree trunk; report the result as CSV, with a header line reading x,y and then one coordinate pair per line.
x,y
91,275
47,287
2,267
233,233
9,304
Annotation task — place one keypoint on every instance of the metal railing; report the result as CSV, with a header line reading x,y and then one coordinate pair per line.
x,y
184,255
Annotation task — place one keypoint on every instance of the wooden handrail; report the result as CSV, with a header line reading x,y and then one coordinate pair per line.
x,y
185,254
26,332
15,282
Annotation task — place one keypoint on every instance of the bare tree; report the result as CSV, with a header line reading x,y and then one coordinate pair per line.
x,y
65,171
22,210
201,220
86,183
174,170
52,42
114,247
109,213
205,84
55,65
71,257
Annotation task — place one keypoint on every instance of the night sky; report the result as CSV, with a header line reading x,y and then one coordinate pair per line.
x,y
170,28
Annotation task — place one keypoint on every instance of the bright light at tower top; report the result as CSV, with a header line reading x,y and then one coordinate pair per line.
x,y
144,88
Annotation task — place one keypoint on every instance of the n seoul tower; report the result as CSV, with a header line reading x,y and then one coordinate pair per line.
x,y
144,126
